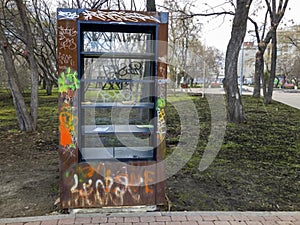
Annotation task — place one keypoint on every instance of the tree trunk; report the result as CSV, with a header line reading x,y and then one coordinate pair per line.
x,y
235,107
24,120
269,93
33,65
259,69
49,87
276,14
151,5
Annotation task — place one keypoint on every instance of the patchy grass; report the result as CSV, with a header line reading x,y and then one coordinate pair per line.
x,y
47,112
257,167
7,112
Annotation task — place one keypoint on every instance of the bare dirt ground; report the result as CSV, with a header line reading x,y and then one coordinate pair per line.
x,y
29,174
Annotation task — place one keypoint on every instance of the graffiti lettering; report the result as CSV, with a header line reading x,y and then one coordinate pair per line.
x,y
111,188
113,74
68,44
65,60
66,38
67,15
118,16
64,32
134,68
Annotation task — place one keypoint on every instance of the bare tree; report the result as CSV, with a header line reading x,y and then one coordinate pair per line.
x,y
276,15
29,41
183,39
30,46
24,119
42,22
275,12
11,19
239,25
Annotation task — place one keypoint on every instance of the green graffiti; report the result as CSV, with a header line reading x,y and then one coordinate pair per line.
x,y
161,103
68,81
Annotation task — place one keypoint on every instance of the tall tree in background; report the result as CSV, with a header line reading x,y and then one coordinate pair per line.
x,y
289,47
24,120
11,16
275,12
184,32
239,25
30,46
44,26
276,15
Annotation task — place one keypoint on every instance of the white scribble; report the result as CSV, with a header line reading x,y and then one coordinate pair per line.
x,y
66,32
66,38
65,59
67,15
118,16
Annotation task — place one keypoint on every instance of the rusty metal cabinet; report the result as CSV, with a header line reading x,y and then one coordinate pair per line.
x,y
112,78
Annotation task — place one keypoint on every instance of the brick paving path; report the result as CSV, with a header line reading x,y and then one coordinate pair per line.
x,y
163,218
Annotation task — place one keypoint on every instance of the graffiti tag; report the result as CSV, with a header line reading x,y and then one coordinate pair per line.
x,y
118,16
65,15
68,80
66,60
90,189
66,38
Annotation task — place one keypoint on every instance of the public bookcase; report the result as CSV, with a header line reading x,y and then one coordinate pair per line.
x,y
112,94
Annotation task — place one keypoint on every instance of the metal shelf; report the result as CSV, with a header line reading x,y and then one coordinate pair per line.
x,y
116,129
117,153
121,55
117,80
128,104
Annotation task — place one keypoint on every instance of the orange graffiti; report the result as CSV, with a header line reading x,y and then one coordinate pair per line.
x,y
147,180
65,135
88,171
134,183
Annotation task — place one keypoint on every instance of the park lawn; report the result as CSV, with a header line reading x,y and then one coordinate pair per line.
x,y
257,167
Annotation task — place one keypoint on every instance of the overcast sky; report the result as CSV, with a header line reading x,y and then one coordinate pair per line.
x,y
217,31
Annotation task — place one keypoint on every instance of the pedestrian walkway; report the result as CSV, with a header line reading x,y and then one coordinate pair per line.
x,y
288,97
163,218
